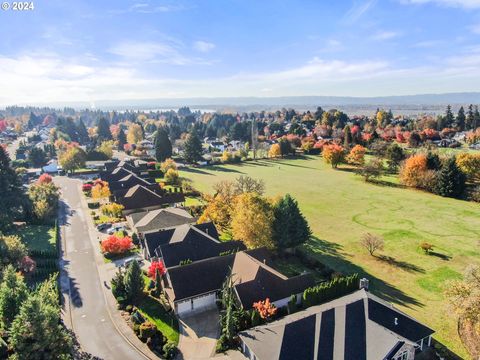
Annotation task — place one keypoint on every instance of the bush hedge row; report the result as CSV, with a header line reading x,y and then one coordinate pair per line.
x,y
327,291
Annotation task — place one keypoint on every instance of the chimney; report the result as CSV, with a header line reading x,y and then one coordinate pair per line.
x,y
364,284
396,321
265,261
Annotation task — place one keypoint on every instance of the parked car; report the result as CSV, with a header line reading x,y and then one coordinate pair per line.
x,y
129,261
115,229
104,226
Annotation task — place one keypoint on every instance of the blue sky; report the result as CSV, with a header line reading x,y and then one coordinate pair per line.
x,y
110,50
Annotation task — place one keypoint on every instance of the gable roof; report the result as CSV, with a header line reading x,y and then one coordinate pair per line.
x,y
345,328
189,242
138,197
160,219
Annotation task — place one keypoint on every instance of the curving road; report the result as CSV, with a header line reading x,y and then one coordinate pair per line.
x,y
86,306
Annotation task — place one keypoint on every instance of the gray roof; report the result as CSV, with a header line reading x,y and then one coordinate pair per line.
x,y
356,326
160,219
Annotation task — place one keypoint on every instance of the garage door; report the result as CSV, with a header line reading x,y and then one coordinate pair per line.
x,y
202,302
184,306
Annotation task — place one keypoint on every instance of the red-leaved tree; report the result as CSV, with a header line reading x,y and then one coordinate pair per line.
x,y
44,179
152,270
116,245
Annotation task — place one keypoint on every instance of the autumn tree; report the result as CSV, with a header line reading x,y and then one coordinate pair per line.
x,y
106,148
372,242
72,159
114,244
413,171
156,266
333,154
274,151
265,308
44,198
469,164
357,155
135,134
252,221
193,147
100,190
168,164
163,146
371,170
12,250
289,227
172,177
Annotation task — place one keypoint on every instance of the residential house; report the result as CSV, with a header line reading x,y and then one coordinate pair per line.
x,y
358,326
195,286
139,198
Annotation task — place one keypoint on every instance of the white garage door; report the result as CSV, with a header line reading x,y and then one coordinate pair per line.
x,y
184,306
202,302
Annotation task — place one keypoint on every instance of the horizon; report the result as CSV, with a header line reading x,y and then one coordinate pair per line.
x,y
164,50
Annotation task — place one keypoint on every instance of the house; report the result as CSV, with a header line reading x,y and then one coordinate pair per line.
x,y
159,220
128,181
140,198
358,326
195,286
190,243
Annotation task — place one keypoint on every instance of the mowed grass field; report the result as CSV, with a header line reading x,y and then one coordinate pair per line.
x,y
341,207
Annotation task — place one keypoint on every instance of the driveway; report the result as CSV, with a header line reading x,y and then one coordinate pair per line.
x,y
86,309
198,335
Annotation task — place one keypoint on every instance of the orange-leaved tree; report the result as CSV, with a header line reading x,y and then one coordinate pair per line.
x,y
265,308
156,265
116,244
357,155
333,154
414,170
44,179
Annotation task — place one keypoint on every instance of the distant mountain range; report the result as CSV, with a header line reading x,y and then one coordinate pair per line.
x,y
422,103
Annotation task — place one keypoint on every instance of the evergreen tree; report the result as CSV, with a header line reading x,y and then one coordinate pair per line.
x,y
103,130
37,157
193,147
470,118
33,121
433,161
394,155
450,180
13,197
476,118
13,292
163,146
36,332
121,138
318,113
134,282
441,122
289,226
82,132
347,136
460,121
448,117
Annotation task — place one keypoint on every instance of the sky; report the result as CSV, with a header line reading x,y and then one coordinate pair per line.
x,y
91,50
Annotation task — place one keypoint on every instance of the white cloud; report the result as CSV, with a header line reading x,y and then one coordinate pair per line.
x,y
358,9
203,46
475,29
385,35
466,4
146,8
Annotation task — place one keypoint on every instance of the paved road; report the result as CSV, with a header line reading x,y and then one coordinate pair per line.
x,y
89,316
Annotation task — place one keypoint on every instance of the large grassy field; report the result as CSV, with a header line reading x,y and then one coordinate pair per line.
x,y
341,207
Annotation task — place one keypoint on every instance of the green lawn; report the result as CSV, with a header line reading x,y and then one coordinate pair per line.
x,y
341,207
38,237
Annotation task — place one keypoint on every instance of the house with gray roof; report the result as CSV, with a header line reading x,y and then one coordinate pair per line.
x,y
358,326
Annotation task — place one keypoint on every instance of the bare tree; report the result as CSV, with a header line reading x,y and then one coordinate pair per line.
x,y
372,242
246,184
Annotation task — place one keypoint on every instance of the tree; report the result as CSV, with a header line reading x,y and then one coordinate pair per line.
x,y
413,170
347,136
275,151
372,243
163,146
37,157
246,184
13,292
394,156
460,120
121,139
13,197
414,140
265,308
450,180
333,154
106,147
82,132
193,147
103,130
470,118
12,250
448,119
357,155
134,282
289,227
44,198
116,245
285,146
469,164
252,221
156,266
172,177
427,247
135,134
73,158
36,332
168,164
100,190
433,161
372,169
44,179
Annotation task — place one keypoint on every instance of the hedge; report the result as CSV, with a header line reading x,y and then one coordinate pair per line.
x,y
327,291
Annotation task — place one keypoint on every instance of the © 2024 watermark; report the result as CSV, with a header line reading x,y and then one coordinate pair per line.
x,y
18,6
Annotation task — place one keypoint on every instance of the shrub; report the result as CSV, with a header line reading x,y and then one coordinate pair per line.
x,y
169,350
152,270
116,245
93,205
172,177
113,210
427,247
330,290
147,330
